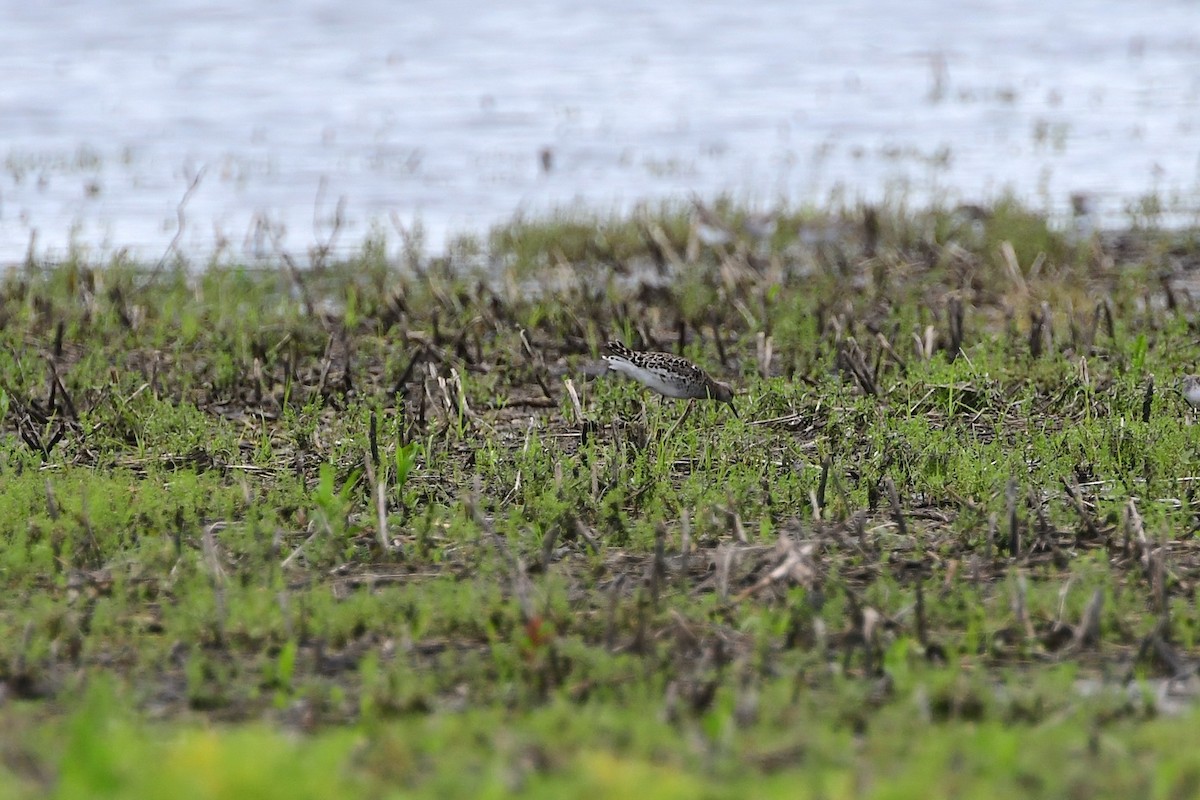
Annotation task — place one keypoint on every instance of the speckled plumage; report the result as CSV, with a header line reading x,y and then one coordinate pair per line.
x,y
669,375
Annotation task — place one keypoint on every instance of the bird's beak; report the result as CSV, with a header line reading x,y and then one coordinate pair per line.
x,y
734,409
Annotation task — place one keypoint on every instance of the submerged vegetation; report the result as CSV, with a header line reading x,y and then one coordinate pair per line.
x,y
947,548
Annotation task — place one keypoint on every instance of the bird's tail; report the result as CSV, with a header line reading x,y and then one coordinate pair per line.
x,y
616,350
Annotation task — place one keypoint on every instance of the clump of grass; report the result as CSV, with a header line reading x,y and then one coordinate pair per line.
x,y
582,239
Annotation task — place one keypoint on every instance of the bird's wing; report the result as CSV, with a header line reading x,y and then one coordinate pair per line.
x,y
681,365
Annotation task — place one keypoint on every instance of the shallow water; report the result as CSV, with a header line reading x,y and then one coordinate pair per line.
x,y
293,114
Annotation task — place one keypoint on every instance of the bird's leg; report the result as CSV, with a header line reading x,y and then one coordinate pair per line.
x,y
682,417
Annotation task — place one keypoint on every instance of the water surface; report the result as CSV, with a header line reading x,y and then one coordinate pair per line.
x,y
463,114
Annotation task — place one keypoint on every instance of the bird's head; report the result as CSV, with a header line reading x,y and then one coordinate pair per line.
x,y
722,392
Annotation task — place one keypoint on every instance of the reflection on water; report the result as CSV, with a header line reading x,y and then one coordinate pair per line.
x,y
463,114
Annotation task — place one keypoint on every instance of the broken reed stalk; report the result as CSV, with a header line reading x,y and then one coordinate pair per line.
x,y
666,249
993,527
885,346
1110,328
538,362
52,508
894,501
1158,580
548,543
379,494
658,569
1009,254
826,463
212,559
581,531
614,594
954,321
1044,528
725,557
922,630
1020,606
373,439
765,349
876,367
582,423
850,357
1040,333
1075,495
576,406
716,329
1014,531
1088,632
685,544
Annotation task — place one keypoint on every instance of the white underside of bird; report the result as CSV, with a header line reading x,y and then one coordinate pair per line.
x,y
652,379
1191,393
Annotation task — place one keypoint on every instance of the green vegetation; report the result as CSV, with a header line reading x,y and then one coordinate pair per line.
x,y
379,530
